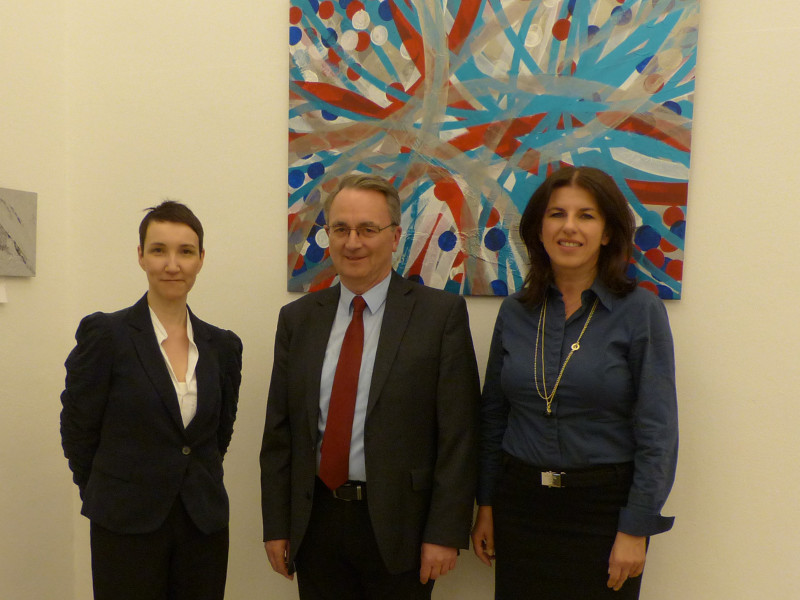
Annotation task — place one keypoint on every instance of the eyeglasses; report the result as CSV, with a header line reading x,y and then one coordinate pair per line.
x,y
362,231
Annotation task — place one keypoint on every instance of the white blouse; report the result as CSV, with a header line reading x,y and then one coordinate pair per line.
x,y
185,390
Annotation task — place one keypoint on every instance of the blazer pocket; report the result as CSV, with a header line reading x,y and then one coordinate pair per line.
x,y
421,479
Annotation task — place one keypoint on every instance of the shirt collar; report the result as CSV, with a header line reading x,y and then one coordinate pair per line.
x,y
597,289
374,296
601,291
161,333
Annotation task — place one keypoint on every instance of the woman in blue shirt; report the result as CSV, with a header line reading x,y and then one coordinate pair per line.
x,y
579,432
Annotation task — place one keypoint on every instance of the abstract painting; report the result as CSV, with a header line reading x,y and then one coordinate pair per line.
x,y
467,105
17,233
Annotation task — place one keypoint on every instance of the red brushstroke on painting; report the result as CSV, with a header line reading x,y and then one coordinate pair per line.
x,y
659,192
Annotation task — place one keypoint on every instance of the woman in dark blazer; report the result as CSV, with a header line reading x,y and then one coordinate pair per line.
x,y
148,411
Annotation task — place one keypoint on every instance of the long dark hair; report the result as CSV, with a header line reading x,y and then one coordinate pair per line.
x,y
612,263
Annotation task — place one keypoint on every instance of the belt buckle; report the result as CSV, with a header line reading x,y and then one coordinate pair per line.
x,y
551,479
358,489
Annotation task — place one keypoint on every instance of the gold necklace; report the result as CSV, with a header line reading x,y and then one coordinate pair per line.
x,y
574,348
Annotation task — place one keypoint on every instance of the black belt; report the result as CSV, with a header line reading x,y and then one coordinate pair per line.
x,y
349,492
588,477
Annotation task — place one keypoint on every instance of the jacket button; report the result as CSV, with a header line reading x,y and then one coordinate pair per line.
x,y
186,450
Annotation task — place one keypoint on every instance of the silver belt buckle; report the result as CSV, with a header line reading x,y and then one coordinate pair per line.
x,y
358,489
551,479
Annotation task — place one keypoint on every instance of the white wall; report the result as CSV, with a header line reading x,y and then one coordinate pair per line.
x,y
36,512
107,107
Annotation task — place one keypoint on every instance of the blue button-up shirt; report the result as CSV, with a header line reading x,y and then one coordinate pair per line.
x,y
616,401
375,298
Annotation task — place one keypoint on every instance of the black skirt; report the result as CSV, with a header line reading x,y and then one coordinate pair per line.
x,y
554,543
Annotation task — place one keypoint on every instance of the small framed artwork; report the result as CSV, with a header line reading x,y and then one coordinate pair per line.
x,y
17,233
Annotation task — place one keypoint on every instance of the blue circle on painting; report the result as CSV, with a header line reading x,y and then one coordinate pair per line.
x,y
495,239
643,65
571,6
499,288
320,220
673,106
295,35
344,3
329,37
296,178
646,238
447,241
299,271
314,4
328,116
623,15
416,278
592,31
385,11
679,229
316,170
665,293
314,253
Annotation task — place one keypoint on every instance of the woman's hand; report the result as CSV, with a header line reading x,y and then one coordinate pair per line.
x,y
627,559
483,535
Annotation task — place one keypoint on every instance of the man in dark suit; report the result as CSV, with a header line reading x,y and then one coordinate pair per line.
x,y
148,411
389,520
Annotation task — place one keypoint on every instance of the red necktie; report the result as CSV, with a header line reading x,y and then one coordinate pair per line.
x,y
334,466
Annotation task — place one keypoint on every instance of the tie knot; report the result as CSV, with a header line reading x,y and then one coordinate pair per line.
x,y
359,304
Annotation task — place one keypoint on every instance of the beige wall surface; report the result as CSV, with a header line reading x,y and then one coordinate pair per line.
x,y
108,107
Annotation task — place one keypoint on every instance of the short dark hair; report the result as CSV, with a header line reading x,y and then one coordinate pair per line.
x,y
615,256
360,181
171,211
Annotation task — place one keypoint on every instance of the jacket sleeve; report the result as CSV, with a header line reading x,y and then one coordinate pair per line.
x,y
231,375
85,395
276,453
455,472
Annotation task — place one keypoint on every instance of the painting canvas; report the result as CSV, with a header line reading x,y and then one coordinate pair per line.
x,y
17,233
467,105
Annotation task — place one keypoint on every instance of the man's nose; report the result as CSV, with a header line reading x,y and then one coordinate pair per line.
x,y
353,239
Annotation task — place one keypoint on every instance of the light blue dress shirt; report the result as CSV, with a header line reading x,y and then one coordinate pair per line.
x,y
375,298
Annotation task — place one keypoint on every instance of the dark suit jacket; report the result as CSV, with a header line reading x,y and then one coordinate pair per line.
x,y
420,430
121,426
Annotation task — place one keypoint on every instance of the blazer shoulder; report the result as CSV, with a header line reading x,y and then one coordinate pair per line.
x,y
217,335
431,296
97,322
311,301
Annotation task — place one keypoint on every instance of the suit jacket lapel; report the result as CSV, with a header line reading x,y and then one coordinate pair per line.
x,y
206,372
146,345
399,304
318,329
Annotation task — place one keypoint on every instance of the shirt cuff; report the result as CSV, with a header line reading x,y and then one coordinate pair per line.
x,y
642,524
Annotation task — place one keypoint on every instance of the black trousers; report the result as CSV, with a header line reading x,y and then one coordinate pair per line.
x,y
554,543
175,562
339,558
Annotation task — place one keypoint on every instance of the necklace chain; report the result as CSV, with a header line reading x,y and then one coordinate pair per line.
x,y
548,398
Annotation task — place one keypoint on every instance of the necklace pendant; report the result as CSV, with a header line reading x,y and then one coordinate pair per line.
x,y
576,346
548,413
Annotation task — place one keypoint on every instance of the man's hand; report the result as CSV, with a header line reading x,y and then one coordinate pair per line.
x,y
436,561
627,559
278,554
483,535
